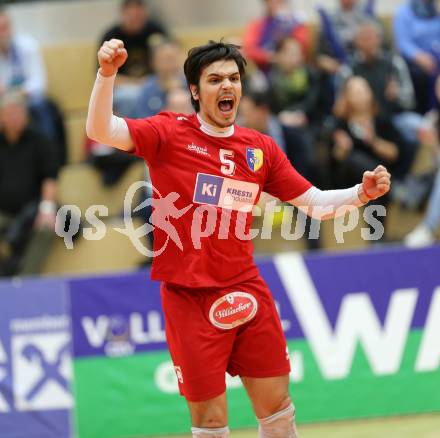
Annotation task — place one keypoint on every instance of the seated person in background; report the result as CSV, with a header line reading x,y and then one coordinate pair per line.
x,y
167,64
336,43
293,86
21,66
417,37
362,138
425,232
262,35
138,31
28,172
110,162
390,81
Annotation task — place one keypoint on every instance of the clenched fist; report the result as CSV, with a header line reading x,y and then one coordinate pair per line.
x,y
111,56
375,184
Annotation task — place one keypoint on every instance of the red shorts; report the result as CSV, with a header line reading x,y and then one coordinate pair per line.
x,y
213,331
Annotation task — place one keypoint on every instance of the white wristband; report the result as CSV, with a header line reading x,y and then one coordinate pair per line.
x,y
101,77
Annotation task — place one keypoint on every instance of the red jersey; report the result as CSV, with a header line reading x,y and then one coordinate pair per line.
x,y
204,190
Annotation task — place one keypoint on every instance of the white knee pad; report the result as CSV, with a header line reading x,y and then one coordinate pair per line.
x,y
221,432
279,425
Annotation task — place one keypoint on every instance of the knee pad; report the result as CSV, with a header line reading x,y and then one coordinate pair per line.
x,y
279,425
221,432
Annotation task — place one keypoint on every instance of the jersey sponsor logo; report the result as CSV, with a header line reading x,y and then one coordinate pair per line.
x,y
180,118
200,150
208,189
254,158
225,192
232,310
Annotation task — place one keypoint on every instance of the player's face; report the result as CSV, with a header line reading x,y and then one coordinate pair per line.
x,y
219,93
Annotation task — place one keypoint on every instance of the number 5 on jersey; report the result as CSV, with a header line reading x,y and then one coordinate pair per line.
x,y
228,167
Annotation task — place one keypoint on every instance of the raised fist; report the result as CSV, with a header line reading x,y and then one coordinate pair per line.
x,y
111,56
376,183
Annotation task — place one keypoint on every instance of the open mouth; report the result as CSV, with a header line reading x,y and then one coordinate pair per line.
x,y
226,105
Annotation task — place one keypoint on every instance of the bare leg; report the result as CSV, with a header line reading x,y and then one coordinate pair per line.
x,y
210,417
268,395
272,405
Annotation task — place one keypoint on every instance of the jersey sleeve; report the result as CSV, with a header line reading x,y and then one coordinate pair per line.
x,y
150,135
283,181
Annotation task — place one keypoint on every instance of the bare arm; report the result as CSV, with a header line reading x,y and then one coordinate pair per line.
x,y
102,125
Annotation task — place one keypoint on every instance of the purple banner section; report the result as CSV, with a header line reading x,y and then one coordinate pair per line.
x,y
379,274
121,315
208,189
290,323
35,359
116,315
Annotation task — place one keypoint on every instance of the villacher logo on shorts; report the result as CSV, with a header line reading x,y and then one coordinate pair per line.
x,y
232,310
179,374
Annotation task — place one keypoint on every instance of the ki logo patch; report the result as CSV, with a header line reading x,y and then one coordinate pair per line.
x,y
41,369
225,192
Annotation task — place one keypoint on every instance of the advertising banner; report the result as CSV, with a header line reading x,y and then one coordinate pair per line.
x,y
35,360
362,331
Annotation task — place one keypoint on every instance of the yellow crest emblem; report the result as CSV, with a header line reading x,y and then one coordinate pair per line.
x,y
254,158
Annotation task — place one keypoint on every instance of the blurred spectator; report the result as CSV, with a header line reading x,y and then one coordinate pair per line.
x,y
389,79
417,37
167,74
110,162
262,35
28,171
293,94
336,43
178,100
425,233
293,85
363,138
338,31
139,32
21,65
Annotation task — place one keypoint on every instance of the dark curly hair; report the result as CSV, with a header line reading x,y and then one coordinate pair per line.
x,y
202,56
